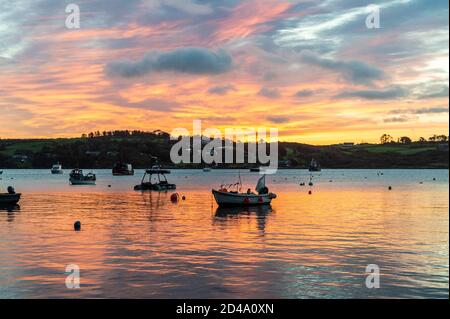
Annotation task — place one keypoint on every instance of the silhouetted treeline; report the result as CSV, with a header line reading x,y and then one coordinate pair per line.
x,y
104,149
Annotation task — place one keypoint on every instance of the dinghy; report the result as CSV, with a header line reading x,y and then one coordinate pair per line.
x,y
224,197
10,198
77,177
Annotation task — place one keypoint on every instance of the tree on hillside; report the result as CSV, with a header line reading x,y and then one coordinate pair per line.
x,y
385,139
405,140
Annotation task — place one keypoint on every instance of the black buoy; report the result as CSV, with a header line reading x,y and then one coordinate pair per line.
x,y
77,225
310,184
310,192
183,197
434,178
109,185
390,188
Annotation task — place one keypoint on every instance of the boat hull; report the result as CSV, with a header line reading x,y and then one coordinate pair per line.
x,y
9,199
57,172
81,182
241,199
123,173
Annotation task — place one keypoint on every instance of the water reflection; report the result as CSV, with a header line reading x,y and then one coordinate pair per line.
x,y
10,211
141,245
225,215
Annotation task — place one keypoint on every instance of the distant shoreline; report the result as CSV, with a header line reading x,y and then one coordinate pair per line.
x,y
141,150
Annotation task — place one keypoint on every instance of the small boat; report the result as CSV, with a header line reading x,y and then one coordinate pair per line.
x,y
78,178
10,198
314,166
57,169
122,169
255,169
224,197
158,184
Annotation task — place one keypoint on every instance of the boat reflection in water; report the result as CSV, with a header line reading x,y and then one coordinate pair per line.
x,y
10,211
225,215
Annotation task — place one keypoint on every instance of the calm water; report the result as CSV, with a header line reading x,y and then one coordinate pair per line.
x,y
135,244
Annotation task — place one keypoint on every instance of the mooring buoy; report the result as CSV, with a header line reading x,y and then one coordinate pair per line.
x,y
77,225
174,197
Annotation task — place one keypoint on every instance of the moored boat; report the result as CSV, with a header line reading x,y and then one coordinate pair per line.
x,y
57,169
10,198
77,177
314,166
224,197
160,182
122,169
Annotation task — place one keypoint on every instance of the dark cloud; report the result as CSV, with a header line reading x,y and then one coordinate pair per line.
x,y
354,71
387,94
278,119
150,104
304,93
221,90
437,92
269,93
396,119
183,60
269,76
429,110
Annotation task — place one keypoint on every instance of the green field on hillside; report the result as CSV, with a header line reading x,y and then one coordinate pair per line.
x,y
398,149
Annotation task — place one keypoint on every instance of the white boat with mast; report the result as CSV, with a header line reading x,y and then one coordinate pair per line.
x,y
225,197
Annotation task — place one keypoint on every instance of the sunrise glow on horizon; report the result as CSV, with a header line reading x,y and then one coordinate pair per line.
x,y
312,69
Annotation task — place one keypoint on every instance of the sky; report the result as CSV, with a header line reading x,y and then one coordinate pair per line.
x,y
312,69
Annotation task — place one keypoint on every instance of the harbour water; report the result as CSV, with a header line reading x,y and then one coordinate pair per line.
x,y
141,245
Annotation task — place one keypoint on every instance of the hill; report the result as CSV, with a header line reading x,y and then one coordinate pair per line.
x,y
138,148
